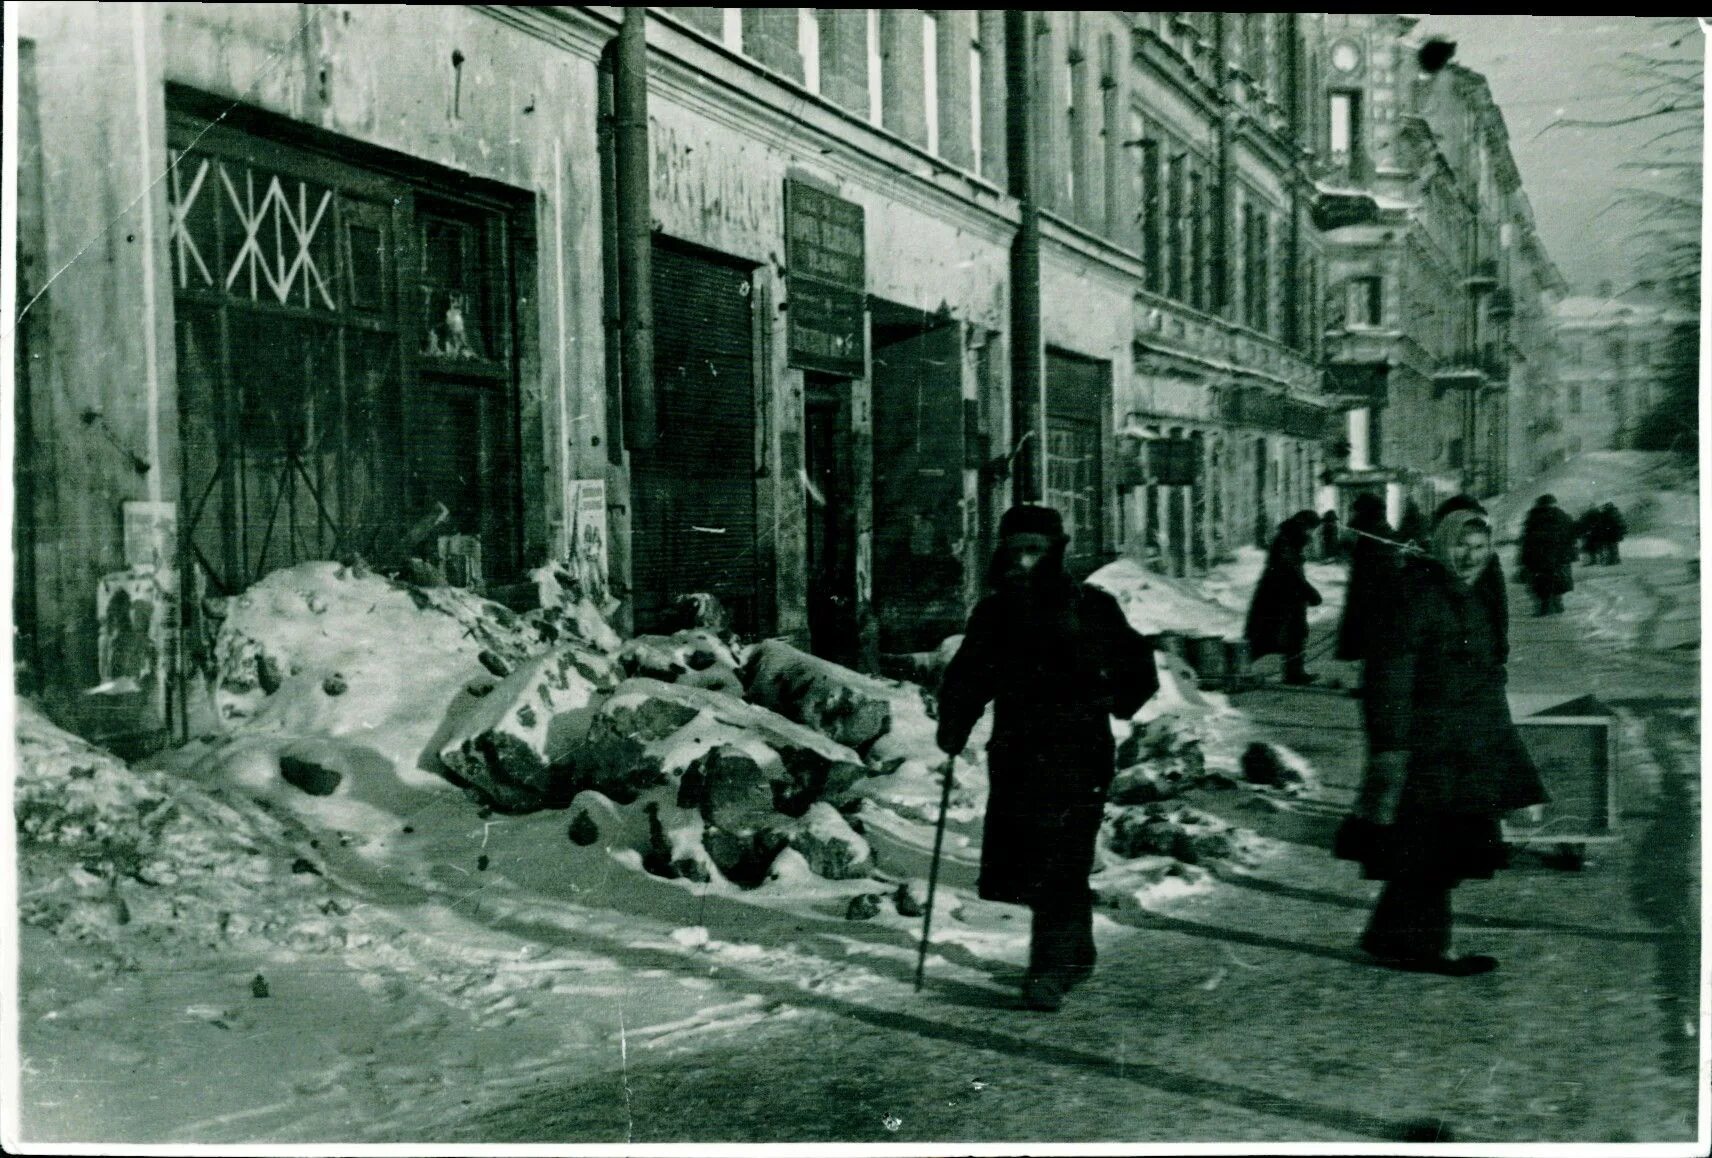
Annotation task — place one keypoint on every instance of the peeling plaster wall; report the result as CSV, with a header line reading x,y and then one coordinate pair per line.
x,y
102,379
516,108
519,109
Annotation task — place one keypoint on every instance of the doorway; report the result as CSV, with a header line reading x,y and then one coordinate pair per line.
x,y
830,519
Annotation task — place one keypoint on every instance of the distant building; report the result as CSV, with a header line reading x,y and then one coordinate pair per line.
x,y
1436,274
1610,351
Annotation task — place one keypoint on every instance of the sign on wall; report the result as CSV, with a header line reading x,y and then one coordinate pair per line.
x,y
825,279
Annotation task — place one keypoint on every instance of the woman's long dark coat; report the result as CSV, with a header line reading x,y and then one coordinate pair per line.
x,y
1278,616
1436,689
1054,686
1372,573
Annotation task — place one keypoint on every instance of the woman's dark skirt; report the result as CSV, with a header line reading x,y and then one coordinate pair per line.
x,y
1443,849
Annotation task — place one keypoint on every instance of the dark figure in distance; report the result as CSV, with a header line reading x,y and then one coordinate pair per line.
x,y
1331,536
1612,532
1587,531
1412,528
1057,660
1372,575
1444,760
1278,615
1548,554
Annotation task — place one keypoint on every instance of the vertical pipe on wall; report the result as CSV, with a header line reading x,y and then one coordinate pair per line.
x,y
635,231
1028,385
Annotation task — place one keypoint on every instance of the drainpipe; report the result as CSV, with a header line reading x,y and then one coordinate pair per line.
x,y
635,232
1028,382
1222,200
1293,295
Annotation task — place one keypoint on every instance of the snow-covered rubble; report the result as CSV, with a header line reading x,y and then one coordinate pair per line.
x,y
114,857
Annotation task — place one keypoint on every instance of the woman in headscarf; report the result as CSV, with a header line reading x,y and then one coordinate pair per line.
x,y
1278,616
1444,760
1057,659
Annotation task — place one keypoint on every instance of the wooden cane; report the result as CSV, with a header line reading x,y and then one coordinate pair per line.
x,y
933,873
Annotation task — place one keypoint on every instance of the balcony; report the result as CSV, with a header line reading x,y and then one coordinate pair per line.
x,y
1464,374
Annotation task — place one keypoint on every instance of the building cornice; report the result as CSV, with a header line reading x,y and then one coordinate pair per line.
x,y
1168,64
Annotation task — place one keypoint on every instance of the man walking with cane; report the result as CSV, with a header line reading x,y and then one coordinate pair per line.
x,y
1056,658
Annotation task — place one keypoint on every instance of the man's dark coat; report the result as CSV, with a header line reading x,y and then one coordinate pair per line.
x,y
1056,676
1278,616
1549,550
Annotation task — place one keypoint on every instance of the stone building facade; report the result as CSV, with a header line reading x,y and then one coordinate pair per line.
x,y
1439,285
1612,352
326,280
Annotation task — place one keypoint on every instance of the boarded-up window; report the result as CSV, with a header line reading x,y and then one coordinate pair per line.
x,y
345,358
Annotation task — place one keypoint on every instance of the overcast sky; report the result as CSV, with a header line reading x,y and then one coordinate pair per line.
x,y
1544,67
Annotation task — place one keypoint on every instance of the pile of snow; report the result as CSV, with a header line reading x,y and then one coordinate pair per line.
x,y
334,650
1154,603
116,857
1231,585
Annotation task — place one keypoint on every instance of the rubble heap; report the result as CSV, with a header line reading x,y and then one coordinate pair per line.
x,y
108,853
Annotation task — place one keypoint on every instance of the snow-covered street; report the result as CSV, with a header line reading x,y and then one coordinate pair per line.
x,y
685,955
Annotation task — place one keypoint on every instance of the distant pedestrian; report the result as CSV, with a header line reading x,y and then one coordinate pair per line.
x,y
1413,528
1057,659
1444,760
1372,575
1331,537
1613,529
1548,554
1278,615
1490,586
1587,533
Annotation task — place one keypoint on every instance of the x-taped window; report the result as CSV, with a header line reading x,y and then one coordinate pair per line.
x,y
346,364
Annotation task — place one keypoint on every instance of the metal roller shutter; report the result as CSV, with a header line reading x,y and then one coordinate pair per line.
x,y
695,522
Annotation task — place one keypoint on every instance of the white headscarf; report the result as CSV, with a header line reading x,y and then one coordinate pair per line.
x,y
1450,530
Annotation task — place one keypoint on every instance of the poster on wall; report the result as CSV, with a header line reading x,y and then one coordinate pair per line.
x,y
588,536
134,613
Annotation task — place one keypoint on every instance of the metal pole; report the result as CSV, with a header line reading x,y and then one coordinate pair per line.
x,y
635,232
933,873
1027,354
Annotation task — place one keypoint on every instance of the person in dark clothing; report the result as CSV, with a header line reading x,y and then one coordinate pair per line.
x,y
1278,615
1057,659
1490,586
1612,532
1587,533
1331,536
1444,760
1548,554
1413,528
1372,571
